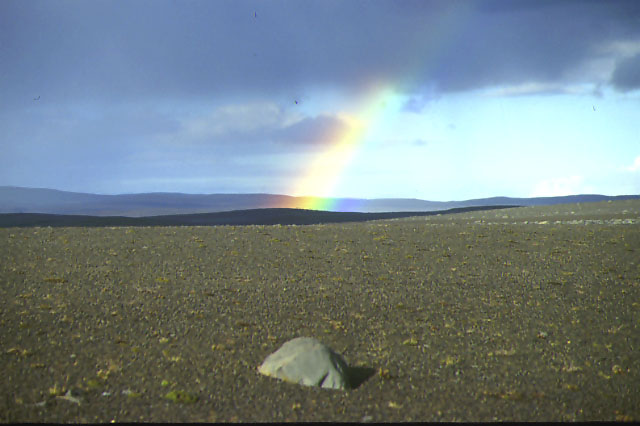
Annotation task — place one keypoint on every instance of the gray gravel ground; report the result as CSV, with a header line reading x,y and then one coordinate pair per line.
x,y
530,314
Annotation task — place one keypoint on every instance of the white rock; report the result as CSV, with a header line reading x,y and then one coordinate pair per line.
x,y
306,361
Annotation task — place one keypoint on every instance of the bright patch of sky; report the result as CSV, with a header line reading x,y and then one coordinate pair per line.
x,y
525,145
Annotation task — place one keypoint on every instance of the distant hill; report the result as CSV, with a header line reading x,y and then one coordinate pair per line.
x,y
274,216
50,201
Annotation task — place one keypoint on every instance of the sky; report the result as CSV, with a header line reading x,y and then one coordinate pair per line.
x,y
436,100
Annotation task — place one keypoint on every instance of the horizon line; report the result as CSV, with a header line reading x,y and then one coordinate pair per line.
x,y
315,196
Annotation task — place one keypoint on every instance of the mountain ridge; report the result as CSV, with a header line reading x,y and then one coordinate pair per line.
x,y
14,199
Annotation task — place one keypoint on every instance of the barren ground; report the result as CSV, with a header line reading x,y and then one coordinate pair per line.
x,y
529,314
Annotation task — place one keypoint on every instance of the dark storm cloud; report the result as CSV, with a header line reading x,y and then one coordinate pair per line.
x,y
627,74
204,49
519,42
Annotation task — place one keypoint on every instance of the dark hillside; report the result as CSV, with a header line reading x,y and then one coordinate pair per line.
x,y
274,216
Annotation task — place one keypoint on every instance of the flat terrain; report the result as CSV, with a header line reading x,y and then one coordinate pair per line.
x,y
527,314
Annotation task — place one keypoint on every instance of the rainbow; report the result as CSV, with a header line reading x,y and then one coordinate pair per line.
x,y
313,190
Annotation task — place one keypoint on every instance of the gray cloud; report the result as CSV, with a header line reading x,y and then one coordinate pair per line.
x,y
626,76
310,131
259,127
204,49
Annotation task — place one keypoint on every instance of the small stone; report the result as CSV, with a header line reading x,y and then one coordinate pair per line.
x,y
69,396
306,361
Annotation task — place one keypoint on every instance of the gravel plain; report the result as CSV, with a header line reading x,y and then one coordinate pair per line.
x,y
526,314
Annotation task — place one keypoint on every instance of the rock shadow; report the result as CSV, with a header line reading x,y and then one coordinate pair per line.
x,y
359,375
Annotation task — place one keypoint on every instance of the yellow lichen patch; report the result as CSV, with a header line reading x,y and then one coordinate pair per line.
x,y
181,397
131,394
384,373
171,358
55,280
219,347
412,341
571,368
335,324
449,361
616,369
621,417
502,352
18,351
103,374
93,383
56,390
513,395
